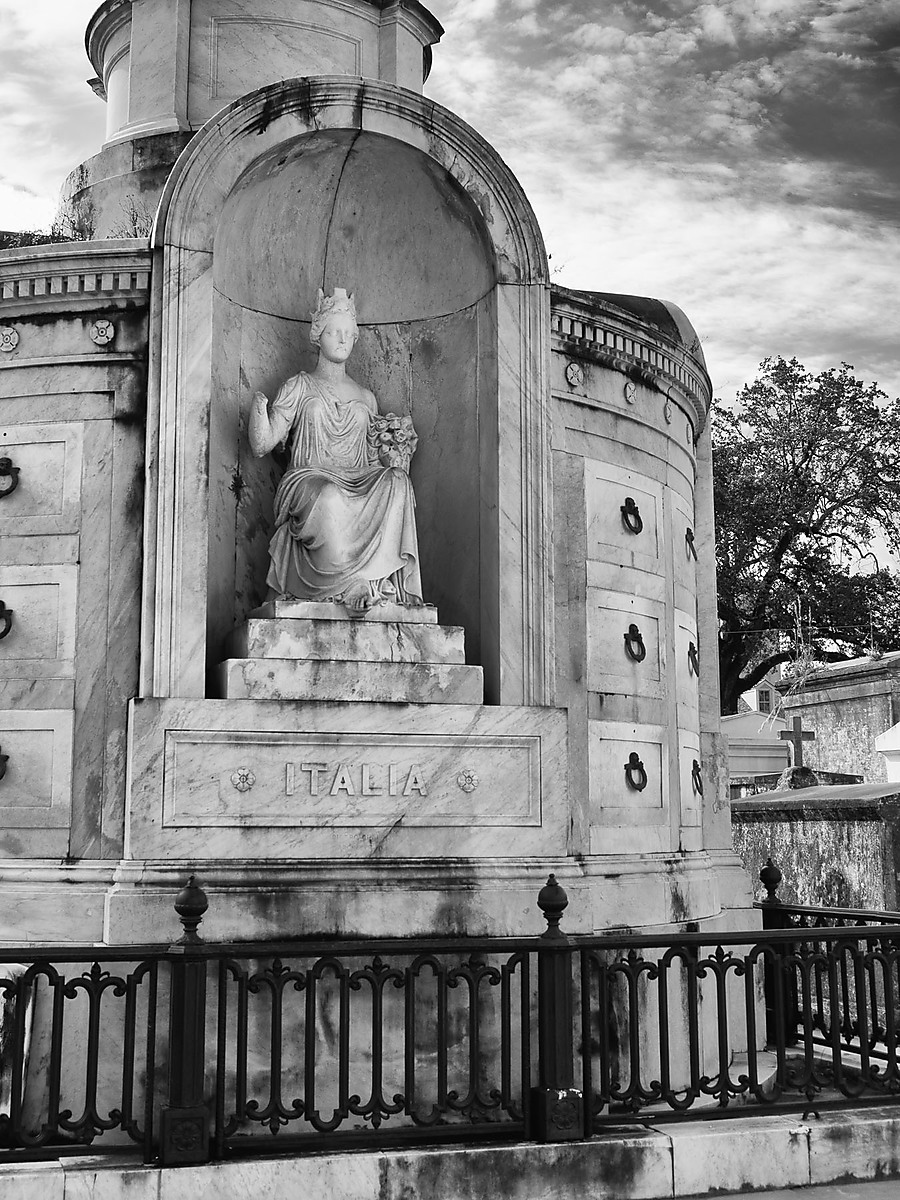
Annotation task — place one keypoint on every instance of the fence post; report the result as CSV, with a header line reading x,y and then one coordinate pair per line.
x,y
558,1107
184,1118
777,974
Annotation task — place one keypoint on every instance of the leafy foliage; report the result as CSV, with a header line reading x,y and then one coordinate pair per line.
x,y
806,474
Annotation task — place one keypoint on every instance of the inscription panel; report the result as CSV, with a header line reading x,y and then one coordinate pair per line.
x,y
302,780
342,780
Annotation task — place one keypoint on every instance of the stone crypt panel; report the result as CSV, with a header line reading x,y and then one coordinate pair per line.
x,y
242,779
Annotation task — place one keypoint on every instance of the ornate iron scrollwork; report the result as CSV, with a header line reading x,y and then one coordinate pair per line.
x,y
634,644
631,515
697,778
4,759
6,616
9,477
694,658
689,542
635,775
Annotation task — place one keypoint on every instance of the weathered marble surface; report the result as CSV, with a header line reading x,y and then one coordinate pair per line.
x,y
359,641
41,641
312,610
36,791
739,1156
380,780
414,896
392,682
671,1161
169,65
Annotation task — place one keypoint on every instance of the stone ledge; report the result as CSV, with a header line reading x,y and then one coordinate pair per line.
x,y
356,641
330,610
381,682
626,1163
73,275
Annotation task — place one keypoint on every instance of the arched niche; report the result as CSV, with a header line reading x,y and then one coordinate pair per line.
x,y
332,182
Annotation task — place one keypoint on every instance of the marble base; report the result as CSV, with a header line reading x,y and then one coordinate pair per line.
x,y
328,610
243,779
378,682
659,1163
357,641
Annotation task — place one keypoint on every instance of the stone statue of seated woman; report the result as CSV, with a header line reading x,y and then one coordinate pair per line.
x,y
345,527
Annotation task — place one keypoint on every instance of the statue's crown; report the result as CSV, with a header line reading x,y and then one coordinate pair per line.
x,y
337,302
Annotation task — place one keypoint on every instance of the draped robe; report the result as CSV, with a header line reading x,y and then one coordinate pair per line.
x,y
340,515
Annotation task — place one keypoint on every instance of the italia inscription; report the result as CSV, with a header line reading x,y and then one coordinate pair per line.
x,y
368,779
262,779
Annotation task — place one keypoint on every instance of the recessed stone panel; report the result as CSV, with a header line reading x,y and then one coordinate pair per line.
x,y
688,665
624,516
40,643
691,781
35,792
48,483
645,786
236,41
626,643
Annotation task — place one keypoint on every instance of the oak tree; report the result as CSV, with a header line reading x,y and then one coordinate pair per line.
x,y
806,475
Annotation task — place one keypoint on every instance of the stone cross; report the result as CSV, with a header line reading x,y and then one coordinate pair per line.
x,y
797,736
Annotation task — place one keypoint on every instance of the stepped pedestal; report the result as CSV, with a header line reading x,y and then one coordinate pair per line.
x,y
299,650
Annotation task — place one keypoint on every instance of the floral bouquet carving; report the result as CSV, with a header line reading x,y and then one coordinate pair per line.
x,y
393,439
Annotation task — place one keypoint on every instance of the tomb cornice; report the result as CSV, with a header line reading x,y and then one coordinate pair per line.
x,y
600,332
72,276
876,675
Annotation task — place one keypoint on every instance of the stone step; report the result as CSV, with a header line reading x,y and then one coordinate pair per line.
x,y
342,641
328,610
391,682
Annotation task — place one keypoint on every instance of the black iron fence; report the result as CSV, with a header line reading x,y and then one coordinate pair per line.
x,y
198,1051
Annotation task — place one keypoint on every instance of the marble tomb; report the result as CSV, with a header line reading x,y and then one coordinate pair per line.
x,y
535,690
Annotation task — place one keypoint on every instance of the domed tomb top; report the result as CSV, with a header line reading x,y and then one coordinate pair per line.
x,y
661,315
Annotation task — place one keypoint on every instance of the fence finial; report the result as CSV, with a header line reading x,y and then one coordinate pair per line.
x,y
770,877
552,901
190,904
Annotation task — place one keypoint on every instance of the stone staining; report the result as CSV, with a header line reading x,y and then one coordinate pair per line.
x,y
344,510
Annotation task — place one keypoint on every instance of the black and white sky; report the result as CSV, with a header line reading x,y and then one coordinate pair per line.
x,y
741,157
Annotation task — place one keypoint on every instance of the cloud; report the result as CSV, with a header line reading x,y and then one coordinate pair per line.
x,y
51,120
740,157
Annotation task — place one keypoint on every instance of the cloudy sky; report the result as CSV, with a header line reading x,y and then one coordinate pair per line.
x,y
740,157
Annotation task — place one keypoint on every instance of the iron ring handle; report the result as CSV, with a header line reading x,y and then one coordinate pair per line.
x,y
635,775
9,477
634,644
4,759
689,542
697,778
694,658
631,515
6,617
